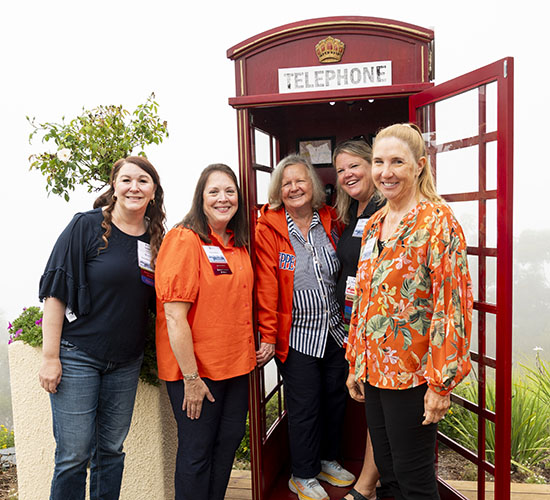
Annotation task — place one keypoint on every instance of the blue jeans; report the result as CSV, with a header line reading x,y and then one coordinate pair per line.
x,y
92,412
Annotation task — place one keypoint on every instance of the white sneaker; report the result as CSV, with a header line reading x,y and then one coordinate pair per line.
x,y
333,473
307,489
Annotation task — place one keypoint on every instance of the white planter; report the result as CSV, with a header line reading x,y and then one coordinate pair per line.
x,y
150,446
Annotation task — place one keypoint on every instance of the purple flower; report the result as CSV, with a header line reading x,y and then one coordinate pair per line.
x,y
10,326
38,322
10,341
24,309
17,333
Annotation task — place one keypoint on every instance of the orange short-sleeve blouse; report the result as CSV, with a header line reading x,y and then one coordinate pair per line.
x,y
221,313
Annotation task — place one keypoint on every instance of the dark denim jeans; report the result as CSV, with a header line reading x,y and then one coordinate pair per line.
x,y
207,445
92,412
315,397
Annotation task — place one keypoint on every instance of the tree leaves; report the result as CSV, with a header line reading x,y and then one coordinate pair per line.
x,y
96,139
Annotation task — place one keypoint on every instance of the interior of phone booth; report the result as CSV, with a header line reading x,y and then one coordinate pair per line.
x,y
278,131
336,121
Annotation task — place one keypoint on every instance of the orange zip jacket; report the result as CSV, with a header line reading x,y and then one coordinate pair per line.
x,y
275,261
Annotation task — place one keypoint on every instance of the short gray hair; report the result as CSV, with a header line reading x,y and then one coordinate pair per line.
x,y
275,185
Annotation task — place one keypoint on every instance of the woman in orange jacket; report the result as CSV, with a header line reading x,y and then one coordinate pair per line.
x,y
300,321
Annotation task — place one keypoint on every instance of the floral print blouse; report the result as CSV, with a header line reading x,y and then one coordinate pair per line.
x,y
412,313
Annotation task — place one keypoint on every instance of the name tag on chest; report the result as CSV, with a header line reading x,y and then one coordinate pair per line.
x,y
144,263
217,260
366,249
359,227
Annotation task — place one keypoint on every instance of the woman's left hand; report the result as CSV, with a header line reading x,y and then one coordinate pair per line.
x,y
435,407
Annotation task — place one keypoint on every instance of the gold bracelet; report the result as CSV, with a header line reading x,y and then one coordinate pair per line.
x,y
191,376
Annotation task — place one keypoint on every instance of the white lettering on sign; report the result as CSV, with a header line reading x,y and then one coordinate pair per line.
x,y
335,76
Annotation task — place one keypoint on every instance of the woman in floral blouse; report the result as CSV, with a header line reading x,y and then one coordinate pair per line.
x,y
411,321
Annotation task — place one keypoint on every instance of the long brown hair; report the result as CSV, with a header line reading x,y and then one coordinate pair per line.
x,y
155,210
196,218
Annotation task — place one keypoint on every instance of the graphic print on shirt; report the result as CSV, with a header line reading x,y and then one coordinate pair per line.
x,y
287,261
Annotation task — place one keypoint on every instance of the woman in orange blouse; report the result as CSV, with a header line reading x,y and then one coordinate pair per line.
x,y
205,344
411,321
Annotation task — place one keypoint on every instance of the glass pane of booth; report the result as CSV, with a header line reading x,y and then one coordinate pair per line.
x,y
262,185
466,213
262,149
457,118
457,171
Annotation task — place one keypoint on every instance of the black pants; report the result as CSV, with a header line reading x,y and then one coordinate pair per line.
x,y
206,446
315,396
404,449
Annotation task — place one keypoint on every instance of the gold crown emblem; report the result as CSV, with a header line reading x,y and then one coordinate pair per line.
x,y
330,50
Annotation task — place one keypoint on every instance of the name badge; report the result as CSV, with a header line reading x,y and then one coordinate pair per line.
x,y
359,227
366,249
350,286
71,316
217,260
144,263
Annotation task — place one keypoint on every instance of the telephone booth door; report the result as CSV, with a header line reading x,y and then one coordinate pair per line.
x,y
273,122
468,127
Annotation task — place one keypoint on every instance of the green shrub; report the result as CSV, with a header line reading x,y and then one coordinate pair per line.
x,y
530,422
6,438
540,376
27,327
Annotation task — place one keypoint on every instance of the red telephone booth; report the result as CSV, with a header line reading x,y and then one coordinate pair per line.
x,y
304,87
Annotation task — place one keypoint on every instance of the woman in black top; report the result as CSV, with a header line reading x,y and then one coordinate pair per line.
x,y
357,199
97,286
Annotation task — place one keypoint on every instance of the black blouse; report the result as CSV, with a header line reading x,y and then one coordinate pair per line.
x,y
103,288
349,247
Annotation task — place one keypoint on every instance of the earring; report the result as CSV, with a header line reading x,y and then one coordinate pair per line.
x,y
114,197
152,202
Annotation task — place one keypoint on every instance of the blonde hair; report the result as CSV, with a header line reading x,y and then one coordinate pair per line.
x,y
411,135
275,185
361,149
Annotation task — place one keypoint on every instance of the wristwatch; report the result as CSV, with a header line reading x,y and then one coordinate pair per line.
x,y
191,376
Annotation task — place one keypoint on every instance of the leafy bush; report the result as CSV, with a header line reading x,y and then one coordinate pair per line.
x,y
530,422
6,438
87,147
28,328
540,376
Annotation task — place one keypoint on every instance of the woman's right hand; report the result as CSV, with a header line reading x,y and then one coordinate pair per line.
x,y
195,392
356,388
50,374
264,353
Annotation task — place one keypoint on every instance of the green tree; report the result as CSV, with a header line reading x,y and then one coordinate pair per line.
x,y
87,146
